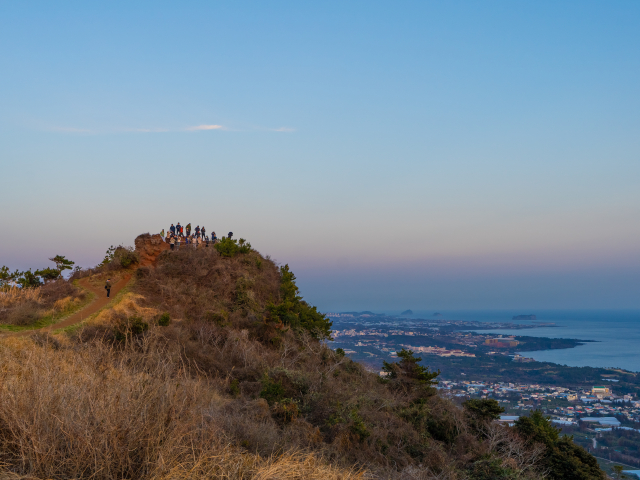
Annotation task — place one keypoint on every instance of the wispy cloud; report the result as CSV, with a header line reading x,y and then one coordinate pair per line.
x,y
69,129
194,128
148,130
205,127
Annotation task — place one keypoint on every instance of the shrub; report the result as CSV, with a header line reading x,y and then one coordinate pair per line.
x,y
272,391
23,314
294,311
133,326
234,387
357,426
228,247
164,320
125,256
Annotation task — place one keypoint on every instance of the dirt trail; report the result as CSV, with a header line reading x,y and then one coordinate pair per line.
x,y
98,303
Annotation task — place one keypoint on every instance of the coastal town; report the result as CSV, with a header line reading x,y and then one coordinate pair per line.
x,y
600,407
607,424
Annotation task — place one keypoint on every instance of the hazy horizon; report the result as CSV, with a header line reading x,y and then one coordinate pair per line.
x,y
465,156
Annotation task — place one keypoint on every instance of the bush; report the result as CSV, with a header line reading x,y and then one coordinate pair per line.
x,y
125,256
294,311
228,247
133,326
272,391
164,320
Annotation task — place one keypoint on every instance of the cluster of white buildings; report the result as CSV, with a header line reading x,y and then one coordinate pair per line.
x,y
440,351
598,405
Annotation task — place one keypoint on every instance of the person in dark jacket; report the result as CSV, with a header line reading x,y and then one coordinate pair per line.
x,y
107,287
198,231
179,228
230,235
172,228
202,231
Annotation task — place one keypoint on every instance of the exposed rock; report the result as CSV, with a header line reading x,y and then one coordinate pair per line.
x,y
149,247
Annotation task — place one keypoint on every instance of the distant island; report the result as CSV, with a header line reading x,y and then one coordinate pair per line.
x,y
407,312
437,314
523,317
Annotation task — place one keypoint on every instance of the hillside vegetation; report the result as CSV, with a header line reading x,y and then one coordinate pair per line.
x,y
211,365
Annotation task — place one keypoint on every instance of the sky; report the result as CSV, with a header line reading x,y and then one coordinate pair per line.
x,y
423,155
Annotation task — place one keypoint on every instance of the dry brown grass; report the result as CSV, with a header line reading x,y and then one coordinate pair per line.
x,y
68,412
14,296
22,307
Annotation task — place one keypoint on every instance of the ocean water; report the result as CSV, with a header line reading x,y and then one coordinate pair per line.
x,y
616,334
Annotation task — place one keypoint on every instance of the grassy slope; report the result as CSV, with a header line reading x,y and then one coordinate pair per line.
x,y
221,392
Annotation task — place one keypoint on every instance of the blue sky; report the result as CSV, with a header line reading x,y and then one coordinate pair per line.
x,y
397,155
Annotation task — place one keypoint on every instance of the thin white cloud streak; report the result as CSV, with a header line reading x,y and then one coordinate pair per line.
x,y
194,128
69,130
205,127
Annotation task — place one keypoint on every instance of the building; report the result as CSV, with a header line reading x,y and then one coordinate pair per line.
x,y
509,419
605,421
502,342
601,391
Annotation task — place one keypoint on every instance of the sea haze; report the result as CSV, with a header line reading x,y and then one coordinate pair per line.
x,y
615,334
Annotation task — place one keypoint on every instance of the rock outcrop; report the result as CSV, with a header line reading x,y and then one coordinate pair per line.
x,y
149,247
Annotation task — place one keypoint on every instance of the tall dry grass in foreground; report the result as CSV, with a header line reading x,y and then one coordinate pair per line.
x,y
79,411
14,295
25,306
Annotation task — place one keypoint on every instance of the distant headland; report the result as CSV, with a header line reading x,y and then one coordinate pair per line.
x,y
523,317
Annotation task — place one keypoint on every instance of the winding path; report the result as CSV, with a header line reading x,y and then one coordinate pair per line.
x,y
97,304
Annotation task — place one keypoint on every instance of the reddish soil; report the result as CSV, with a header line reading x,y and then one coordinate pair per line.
x,y
149,247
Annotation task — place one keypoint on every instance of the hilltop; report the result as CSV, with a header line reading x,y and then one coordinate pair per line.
x,y
208,363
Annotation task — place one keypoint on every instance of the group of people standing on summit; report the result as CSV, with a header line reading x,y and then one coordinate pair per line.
x,y
176,235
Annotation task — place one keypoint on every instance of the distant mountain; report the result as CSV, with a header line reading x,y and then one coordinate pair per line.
x,y
366,312
407,312
523,317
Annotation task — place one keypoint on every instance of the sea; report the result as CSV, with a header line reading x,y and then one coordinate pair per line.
x,y
614,335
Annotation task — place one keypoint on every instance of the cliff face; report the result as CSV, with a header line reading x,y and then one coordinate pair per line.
x,y
149,247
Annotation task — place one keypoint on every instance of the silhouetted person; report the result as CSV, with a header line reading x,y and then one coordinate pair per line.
x,y
107,287
202,231
230,235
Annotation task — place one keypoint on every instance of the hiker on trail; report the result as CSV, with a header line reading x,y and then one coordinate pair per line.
x,y
198,231
202,231
206,239
214,239
188,229
179,228
107,287
172,229
172,242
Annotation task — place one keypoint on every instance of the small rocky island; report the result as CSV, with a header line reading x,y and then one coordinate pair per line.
x,y
523,317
